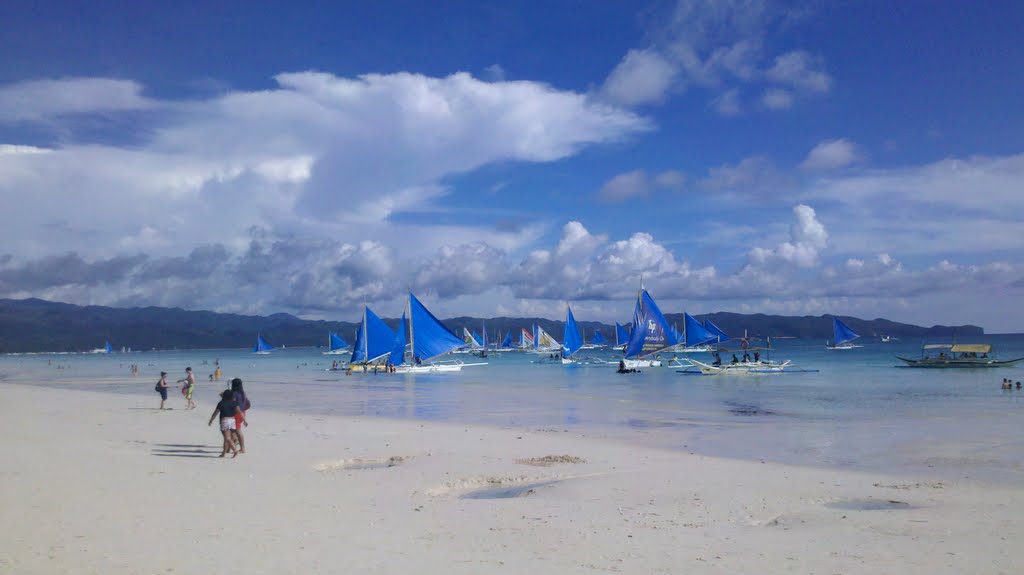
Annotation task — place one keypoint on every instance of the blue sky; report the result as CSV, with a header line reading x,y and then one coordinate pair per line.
x,y
856,158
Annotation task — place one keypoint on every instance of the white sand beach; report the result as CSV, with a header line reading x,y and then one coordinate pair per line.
x,y
103,483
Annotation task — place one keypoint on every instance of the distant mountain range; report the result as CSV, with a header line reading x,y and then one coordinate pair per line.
x,y
34,325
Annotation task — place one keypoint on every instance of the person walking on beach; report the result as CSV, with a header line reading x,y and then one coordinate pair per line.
x,y
161,388
228,409
239,397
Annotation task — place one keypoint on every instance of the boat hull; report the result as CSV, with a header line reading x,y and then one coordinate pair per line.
x,y
957,363
638,363
742,368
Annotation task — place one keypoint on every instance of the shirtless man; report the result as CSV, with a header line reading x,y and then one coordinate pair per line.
x,y
190,380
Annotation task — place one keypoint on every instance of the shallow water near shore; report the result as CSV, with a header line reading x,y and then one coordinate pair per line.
x,y
857,411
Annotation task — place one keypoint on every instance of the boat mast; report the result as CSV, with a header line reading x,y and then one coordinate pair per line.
x,y
366,342
412,339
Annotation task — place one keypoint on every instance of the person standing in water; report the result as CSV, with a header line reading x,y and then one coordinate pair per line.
x,y
228,409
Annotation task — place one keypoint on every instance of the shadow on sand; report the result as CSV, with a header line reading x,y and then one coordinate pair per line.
x,y
185,450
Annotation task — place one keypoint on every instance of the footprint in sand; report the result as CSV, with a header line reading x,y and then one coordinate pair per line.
x,y
505,487
549,460
359,463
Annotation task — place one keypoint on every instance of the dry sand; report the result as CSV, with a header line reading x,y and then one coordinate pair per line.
x,y
103,483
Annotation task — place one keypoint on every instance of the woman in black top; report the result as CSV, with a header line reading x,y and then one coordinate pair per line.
x,y
238,395
228,409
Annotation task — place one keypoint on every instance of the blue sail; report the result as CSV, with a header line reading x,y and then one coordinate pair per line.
x,y
536,337
598,339
398,347
651,332
336,342
573,341
842,332
261,344
106,347
697,334
430,337
621,335
480,340
507,342
374,339
717,331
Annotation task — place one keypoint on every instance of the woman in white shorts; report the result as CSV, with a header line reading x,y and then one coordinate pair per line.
x,y
227,408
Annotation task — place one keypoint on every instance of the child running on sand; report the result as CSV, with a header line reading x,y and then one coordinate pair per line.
x,y
228,409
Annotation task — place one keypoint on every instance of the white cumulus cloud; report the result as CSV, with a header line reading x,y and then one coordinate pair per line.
x,y
831,155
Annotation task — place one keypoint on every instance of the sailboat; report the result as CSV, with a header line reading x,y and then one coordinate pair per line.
x,y
651,334
543,342
598,340
507,342
697,337
482,352
621,336
261,347
335,344
470,339
573,339
429,339
105,349
374,340
842,336
525,339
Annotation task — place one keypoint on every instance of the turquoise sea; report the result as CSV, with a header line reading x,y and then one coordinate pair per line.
x,y
859,410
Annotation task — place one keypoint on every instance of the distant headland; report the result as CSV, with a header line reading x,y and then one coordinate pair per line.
x,y
35,325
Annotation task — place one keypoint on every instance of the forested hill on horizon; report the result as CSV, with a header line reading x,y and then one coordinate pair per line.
x,y
35,325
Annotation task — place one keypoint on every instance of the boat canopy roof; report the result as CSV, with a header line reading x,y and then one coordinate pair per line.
x,y
937,346
971,347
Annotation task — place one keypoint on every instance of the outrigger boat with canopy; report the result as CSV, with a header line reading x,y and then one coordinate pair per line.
x,y
957,355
